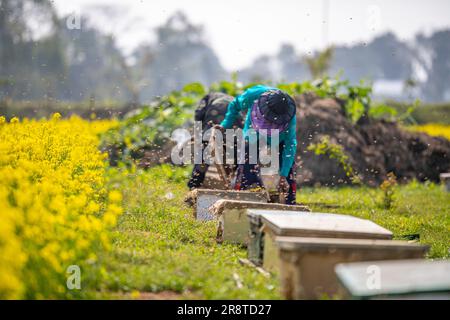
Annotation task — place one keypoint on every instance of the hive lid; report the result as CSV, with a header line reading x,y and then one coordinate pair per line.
x,y
202,199
197,192
330,244
226,204
399,277
316,224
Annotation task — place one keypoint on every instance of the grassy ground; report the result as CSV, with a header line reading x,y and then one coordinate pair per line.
x,y
159,247
418,209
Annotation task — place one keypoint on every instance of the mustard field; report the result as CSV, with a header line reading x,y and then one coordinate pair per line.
x,y
55,209
433,129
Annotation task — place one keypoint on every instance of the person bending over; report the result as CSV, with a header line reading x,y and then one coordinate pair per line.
x,y
273,111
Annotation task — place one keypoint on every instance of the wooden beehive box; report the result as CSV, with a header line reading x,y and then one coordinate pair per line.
x,y
445,179
232,220
202,199
314,224
398,279
307,264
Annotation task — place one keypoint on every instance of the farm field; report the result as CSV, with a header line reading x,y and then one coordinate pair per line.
x,y
158,246
55,206
154,151
433,129
129,230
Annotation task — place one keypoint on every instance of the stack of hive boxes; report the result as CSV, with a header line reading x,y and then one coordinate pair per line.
x,y
303,248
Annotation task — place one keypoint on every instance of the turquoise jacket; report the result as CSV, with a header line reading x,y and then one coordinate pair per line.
x,y
288,137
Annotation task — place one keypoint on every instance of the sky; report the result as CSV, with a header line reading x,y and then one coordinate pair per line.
x,y
241,30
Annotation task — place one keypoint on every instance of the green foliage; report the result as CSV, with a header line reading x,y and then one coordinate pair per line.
x,y
195,88
150,127
421,113
383,111
169,173
388,188
232,88
354,110
356,97
334,151
428,113
323,88
358,101
320,63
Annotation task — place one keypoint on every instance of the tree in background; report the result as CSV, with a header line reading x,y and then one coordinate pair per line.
x,y
41,59
94,66
385,57
28,65
433,54
292,70
179,56
320,63
409,87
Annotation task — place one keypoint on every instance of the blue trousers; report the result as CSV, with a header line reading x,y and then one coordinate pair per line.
x,y
249,176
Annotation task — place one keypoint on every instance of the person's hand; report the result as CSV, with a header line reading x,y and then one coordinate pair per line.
x,y
219,127
283,185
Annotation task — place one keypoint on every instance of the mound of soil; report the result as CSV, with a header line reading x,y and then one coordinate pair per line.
x,y
374,147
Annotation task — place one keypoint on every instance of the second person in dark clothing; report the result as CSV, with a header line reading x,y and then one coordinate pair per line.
x,y
210,111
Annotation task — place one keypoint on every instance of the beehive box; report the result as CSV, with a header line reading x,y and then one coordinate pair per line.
x,y
255,249
202,199
314,224
232,221
307,264
445,179
399,279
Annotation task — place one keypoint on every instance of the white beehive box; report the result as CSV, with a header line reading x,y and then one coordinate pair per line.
x,y
314,224
307,264
232,222
202,199
397,279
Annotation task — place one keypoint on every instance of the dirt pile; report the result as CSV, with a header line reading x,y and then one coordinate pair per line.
x,y
374,147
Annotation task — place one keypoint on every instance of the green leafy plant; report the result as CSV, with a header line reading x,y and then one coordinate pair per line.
x,y
334,151
383,111
354,110
388,188
233,87
149,127
358,101
319,64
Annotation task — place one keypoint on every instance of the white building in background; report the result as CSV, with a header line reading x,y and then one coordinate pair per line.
x,y
388,89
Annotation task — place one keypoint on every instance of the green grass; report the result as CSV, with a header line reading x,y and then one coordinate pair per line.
x,y
422,209
158,246
425,112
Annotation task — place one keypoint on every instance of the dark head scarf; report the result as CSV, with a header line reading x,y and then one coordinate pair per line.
x,y
273,110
